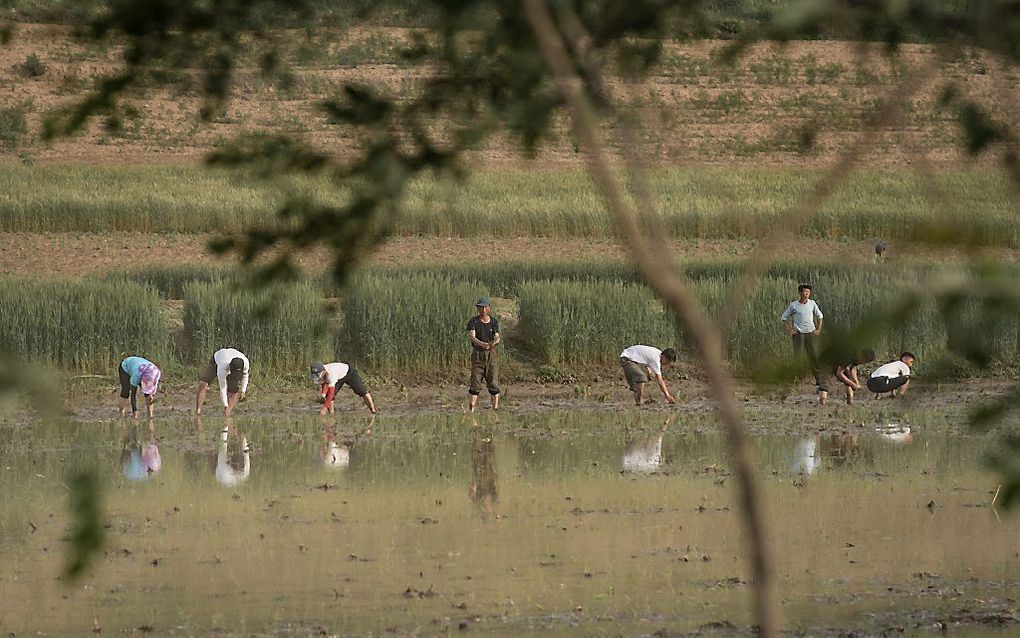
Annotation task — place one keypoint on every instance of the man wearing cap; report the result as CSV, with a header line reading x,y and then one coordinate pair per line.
x,y
135,372
483,333
330,377
231,368
799,322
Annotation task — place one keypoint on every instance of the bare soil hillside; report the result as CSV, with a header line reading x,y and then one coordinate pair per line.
x,y
695,110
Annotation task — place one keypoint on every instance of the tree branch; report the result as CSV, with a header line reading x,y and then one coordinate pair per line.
x,y
677,294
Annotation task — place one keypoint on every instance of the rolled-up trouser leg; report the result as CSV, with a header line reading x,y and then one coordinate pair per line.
x,y
492,372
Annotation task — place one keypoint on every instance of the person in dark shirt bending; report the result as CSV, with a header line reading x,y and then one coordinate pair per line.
x,y
483,333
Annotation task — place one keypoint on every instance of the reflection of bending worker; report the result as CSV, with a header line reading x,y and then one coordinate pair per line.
x,y
643,363
332,376
231,368
646,456
234,465
483,333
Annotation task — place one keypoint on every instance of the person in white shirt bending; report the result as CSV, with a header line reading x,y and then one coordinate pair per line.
x,y
893,377
641,364
231,368
330,377
799,321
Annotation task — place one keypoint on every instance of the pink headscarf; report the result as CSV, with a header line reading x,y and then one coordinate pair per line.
x,y
149,374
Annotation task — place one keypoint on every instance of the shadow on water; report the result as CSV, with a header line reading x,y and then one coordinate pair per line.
x,y
583,523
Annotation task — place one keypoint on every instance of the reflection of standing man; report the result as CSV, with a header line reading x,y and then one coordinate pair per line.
x,y
483,333
483,489
799,321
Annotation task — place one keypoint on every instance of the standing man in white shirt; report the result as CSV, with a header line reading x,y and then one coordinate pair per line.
x,y
231,368
893,377
799,321
641,364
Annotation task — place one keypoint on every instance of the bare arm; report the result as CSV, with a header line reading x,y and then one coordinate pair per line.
x,y
665,391
841,375
818,330
231,402
789,327
496,340
476,342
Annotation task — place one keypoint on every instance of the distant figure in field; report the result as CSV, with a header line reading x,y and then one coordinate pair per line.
x,y
231,368
799,321
893,377
483,333
846,373
641,364
331,377
134,373
879,249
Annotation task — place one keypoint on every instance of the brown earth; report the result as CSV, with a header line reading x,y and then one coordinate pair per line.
x,y
78,254
695,112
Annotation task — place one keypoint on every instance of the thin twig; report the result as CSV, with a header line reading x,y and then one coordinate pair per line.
x,y
677,295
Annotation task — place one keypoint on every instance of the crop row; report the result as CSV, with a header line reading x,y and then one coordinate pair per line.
x,y
711,203
394,321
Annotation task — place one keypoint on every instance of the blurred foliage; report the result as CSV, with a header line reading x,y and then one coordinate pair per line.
x,y
484,76
87,537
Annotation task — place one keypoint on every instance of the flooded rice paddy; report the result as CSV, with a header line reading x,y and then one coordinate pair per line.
x,y
590,524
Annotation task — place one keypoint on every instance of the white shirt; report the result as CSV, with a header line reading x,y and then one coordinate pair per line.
x,y
892,370
804,315
646,356
223,358
335,372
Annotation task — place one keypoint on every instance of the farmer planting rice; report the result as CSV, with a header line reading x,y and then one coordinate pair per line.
x,y
134,373
330,377
483,333
641,364
846,373
893,377
231,368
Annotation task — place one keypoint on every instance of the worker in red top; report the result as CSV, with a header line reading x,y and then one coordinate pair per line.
x,y
330,377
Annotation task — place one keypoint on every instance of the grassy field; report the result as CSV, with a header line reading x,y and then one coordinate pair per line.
x,y
556,316
975,207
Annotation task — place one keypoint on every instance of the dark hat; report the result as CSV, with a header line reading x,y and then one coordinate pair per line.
x,y
237,364
317,369
484,301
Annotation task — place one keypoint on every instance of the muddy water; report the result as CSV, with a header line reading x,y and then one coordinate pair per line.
x,y
579,523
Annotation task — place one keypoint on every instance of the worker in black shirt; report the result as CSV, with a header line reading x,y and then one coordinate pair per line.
x,y
483,333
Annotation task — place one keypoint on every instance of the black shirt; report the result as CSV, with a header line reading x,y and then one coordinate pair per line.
x,y
485,332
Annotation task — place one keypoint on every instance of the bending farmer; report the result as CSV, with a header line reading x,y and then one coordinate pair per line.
x,y
893,377
330,377
231,368
135,372
643,363
483,333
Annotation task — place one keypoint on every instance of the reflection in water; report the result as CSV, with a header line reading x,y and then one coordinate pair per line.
x,y
895,433
139,462
806,458
336,454
233,460
836,449
483,489
646,455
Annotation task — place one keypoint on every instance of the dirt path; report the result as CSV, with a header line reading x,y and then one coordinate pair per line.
x,y
81,254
